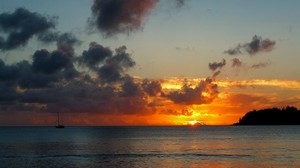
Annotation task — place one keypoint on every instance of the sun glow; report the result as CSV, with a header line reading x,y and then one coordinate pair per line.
x,y
194,123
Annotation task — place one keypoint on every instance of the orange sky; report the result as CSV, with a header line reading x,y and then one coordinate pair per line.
x,y
235,98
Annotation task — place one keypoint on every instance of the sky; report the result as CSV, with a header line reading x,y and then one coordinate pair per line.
x,y
146,62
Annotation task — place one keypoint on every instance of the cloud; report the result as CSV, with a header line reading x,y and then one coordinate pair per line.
x,y
257,45
28,78
23,75
114,69
234,51
18,27
50,62
216,65
58,37
47,67
204,93
112,17
182,112
236,62
110,66
153,88
53,83
130,88
282,84
87,96
95,55
7,94
7,73
75,95
120,16
62,58
260,65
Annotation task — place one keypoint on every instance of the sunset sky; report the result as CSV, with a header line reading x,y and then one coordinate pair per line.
x,y
146,62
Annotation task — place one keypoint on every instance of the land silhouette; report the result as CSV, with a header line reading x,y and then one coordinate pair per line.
x,y
271,116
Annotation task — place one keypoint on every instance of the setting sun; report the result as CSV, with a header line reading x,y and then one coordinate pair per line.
x,y
193,123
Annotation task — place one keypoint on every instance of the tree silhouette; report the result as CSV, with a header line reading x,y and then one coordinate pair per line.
x,y
272,116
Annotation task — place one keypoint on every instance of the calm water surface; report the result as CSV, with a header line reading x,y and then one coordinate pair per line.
x,y
205,146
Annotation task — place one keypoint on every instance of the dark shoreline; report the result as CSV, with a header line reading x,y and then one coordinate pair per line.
x,y
271,116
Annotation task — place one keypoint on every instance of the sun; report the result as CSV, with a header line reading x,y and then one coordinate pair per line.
x,y
193,123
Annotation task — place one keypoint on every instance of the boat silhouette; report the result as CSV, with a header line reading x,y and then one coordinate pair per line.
x,y
58,122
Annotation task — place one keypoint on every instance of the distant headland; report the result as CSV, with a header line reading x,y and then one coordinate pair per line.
x,y
271,116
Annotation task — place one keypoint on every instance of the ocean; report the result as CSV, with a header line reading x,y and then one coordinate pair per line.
x,y
130,147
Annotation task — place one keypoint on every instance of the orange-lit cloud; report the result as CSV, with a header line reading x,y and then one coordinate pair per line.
x,y
233,101
286,84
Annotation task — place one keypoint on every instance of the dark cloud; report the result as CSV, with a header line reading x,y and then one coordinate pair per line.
x,y
236,62
8,93
95,55
55,92
28,79
153,88
49,37
113,17
217,65
234,51
120,16
47,68
52,83
216,68
59,59
18,27
110,73
257,45
26,86
204,93
7,73
115,67
110,66
24,76
216,73
75,96
50,62
65,42
87,96
260,65
130,88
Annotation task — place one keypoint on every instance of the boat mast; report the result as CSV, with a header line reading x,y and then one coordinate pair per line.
x,y
57,118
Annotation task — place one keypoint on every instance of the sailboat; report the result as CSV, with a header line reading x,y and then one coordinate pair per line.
x,y
58,123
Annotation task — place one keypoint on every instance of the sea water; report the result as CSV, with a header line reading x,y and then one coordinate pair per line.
x,y
130,147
